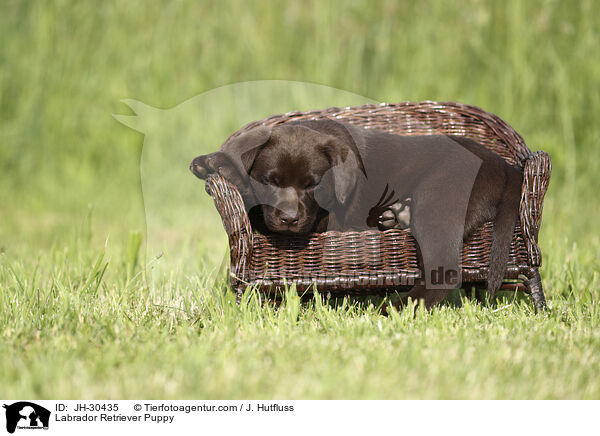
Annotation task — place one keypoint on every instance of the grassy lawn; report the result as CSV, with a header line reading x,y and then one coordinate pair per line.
x,y
88,312
75,324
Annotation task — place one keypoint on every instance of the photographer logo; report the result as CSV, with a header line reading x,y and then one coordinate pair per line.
x,y
26,415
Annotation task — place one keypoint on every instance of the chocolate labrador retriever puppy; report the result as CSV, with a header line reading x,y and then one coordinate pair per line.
x,y
318,175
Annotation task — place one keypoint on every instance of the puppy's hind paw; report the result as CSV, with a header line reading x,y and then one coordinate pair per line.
x,y
387,220
396,216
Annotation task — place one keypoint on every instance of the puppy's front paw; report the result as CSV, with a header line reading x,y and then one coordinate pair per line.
x,y
214,163
201,166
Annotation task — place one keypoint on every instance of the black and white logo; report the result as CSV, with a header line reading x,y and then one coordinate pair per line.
x,y
26,415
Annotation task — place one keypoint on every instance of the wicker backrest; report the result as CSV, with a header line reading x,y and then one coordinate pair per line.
x,y
422,118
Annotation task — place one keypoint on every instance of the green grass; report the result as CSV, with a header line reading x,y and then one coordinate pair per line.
x,y
88,308
76,324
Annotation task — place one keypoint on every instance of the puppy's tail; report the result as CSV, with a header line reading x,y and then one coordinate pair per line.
x,y
504,225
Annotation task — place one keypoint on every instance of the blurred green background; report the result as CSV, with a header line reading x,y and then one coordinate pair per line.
x,y
70,181
66,65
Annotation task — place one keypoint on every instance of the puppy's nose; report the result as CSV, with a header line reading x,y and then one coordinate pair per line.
x,y
288,218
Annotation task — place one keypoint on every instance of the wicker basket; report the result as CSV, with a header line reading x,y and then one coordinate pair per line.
x,y
376,262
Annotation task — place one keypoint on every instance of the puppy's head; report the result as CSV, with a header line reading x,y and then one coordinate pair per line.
x,y
299,173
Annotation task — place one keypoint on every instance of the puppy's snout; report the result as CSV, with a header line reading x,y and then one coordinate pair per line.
x,y
289,217
287,207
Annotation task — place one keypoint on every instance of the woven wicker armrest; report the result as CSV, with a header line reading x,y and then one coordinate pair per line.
x,y
536,176
230,205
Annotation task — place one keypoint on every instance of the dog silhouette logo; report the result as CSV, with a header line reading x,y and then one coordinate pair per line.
x,y
26,415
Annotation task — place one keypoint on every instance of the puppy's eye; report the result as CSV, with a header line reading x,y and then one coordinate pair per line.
x,y
275,181
309,184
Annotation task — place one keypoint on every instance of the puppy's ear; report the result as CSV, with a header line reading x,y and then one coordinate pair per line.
x,y
244,148
346,167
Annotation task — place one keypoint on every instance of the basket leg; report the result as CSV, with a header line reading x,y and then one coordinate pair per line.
x,y
534,286
480,295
